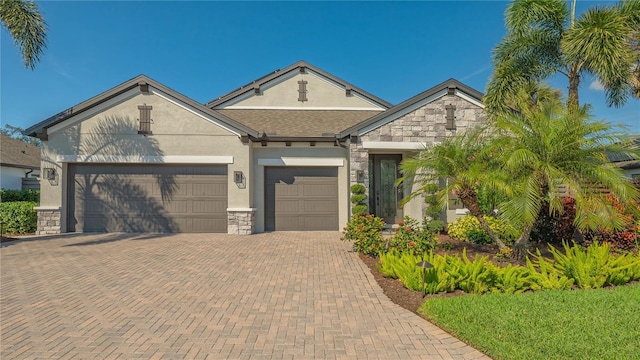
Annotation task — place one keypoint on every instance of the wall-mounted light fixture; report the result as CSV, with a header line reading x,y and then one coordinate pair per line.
x,y
237,177
50,173
360,176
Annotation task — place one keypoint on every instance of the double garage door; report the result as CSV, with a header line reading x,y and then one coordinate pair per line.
x,y
301,198
193,198
147,198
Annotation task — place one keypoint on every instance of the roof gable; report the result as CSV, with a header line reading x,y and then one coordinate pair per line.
x,y
16,153
281,90
139,84
451,86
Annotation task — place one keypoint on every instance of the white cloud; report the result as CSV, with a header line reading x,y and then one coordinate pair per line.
x,y
596,85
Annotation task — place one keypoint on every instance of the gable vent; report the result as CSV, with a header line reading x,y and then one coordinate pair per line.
x,y
302,91
451,117
145,119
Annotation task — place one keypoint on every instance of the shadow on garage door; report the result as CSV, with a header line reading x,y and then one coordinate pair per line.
x,y
147,198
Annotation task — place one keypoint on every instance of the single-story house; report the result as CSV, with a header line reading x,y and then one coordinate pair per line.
x,y
630,165
19,164
279,153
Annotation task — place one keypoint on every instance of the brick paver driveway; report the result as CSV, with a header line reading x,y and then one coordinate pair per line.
x,y
267,296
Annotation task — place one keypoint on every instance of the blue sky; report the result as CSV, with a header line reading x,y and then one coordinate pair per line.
x,y
205,49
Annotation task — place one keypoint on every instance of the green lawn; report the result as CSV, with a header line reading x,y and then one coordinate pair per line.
x,y
577,324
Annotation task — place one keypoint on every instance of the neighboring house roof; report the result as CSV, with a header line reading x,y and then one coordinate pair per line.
x,y
294,67
450,85
40,130
298,123
626,162
16,153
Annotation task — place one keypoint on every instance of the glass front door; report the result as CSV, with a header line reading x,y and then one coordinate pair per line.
x,y
386,197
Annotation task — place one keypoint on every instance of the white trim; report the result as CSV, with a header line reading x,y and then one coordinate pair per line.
x,y
301,161
233,107
94,110
47,208
190,109
136,159
241,209
469,98
405,111
394,145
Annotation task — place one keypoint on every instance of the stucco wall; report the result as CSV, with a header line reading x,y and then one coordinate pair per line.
x,y
283,92
299,150
425,124
11,178
112,129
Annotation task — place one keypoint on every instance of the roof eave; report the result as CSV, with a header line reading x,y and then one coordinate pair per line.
x,y
277,73
451,83
39,130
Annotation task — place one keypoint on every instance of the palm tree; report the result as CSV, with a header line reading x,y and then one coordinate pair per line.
x,y
27,27
551,151
544,39
466,162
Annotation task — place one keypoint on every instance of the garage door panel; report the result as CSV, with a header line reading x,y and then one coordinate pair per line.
x,y
301,198
147,198
209,206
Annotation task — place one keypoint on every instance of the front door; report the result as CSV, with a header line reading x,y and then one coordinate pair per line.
x,y
386,196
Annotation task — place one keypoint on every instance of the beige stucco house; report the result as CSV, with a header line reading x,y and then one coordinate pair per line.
x,y
279,153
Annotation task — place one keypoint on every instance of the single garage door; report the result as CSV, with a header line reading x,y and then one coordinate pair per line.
x,y
147,198
301,198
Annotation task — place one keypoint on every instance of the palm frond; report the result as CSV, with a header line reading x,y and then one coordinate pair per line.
x,y
27,27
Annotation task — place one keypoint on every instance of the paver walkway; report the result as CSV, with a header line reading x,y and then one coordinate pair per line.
x,y
287,295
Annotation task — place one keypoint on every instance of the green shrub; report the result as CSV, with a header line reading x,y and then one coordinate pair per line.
x,y
463,227
435,226
478,237
358,198
544,276
366,233
593,267
596,266
411,237
19,217
19,195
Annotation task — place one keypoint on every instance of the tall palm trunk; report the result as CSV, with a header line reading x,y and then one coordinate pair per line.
x,y
469,199
574,83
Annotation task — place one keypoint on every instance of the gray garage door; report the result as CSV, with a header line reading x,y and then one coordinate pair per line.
x,y
147,198
301,198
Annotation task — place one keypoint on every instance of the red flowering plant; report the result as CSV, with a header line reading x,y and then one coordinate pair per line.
x,y
411,237
623,239
366,233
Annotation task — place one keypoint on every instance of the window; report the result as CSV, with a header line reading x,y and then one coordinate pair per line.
x,y
145,119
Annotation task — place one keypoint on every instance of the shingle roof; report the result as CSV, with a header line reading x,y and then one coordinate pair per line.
x,y
40,129
17,153
448,84
298,123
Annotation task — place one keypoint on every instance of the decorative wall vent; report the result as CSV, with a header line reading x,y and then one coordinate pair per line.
x,y
451,117
302,91
145,119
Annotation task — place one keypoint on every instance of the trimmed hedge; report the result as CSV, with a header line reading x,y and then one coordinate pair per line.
x,y
19,195
19,217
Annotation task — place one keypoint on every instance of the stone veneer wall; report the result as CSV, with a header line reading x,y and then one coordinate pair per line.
x,y
241,222
425,125
48,221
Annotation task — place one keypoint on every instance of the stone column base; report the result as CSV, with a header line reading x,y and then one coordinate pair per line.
x,y
48,220
241,221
